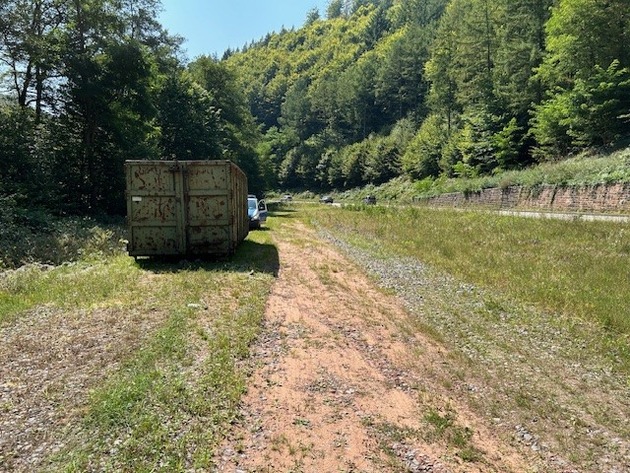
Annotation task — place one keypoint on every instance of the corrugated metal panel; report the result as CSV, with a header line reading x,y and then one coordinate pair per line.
x,y
185,207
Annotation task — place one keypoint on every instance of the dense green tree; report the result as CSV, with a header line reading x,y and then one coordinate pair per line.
x,y
188,121
582,34
106,101
30,49
416,12
297,110
312,16
442,96
334,9
400,84
594,112
139,20
23,169
383,161
357,115
422,156
353,162
585,70
378,25
462,74
482,79
520,49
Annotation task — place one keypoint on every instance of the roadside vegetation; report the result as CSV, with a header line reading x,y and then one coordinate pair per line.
x,y
578,270
586,169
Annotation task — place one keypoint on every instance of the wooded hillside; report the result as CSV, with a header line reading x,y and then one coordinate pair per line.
x,y
364,92
375,89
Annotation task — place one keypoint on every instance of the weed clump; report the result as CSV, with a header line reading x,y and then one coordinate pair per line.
x,y
37,237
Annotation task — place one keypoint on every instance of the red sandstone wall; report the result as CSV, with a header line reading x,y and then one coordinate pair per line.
x,y
600,198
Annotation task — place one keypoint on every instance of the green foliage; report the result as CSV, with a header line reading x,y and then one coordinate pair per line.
x,y
451,153
422,156
353,162
336,83
372,161
550,127
586,71
400,86
334,9
23,171
602,104
185,114
587,169
594,112
581,34
488,86
506,144
481,70
520,50
477,142
95,84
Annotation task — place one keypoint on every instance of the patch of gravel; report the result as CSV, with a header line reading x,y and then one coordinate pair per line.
x,y
537,376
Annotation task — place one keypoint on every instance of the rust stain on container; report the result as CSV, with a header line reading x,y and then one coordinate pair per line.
x,y
185,207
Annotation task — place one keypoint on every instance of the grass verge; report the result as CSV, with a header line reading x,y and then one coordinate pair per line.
x,y
576,269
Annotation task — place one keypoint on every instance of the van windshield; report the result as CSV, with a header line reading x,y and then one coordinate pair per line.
x,y
251,203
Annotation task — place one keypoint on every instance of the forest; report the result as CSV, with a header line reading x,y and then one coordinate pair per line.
x,y
362,93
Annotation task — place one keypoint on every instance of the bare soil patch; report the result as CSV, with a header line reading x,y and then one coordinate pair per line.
x,y
342,383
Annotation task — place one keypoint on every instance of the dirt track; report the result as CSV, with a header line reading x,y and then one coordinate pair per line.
x,y
343,382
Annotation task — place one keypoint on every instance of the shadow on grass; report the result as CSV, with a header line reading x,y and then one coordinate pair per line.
x,y
284,213
249,257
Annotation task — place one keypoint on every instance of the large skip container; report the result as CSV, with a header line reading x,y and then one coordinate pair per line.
x,y
185,207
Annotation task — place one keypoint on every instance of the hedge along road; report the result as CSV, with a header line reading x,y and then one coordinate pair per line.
x,y
354,377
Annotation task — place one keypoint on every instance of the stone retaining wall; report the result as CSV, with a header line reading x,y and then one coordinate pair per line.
x,y
598,199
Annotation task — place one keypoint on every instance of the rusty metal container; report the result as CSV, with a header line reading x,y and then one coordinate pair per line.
x,y
185,208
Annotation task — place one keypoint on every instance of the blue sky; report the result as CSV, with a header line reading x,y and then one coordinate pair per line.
x,y
212,26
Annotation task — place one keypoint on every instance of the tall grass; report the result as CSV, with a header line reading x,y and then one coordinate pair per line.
x,y
578,269
79,285
34,236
